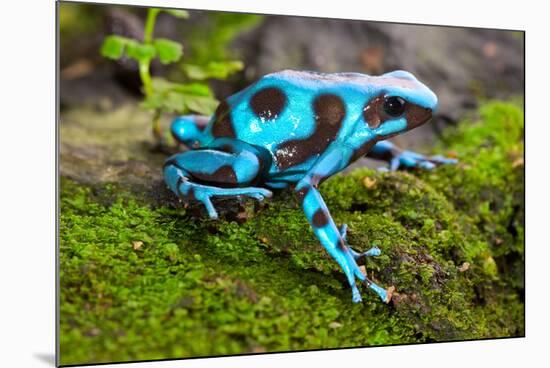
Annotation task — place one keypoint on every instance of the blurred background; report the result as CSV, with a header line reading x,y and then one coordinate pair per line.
x,y
102,121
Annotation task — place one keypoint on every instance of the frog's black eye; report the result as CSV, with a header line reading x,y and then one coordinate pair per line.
x,y
394,106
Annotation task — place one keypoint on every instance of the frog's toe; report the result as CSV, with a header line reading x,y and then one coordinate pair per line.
x,y
258,193
440,159
433,161
356,296
410,159
344,232
372,252
384,294
205,199
427,165
212,213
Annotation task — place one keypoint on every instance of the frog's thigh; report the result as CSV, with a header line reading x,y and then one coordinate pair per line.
x,y
217,167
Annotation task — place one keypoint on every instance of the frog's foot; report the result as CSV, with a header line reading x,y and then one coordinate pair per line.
x,y
399,158
225,171
410,159
356,295
189,129
374,251
204,193
384,294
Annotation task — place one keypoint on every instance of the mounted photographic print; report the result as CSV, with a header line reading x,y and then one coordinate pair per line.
x,y
235,183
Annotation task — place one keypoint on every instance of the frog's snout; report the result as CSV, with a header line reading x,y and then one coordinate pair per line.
x,y
417,115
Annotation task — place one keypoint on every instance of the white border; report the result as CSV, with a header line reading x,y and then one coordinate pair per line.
x,y
27,191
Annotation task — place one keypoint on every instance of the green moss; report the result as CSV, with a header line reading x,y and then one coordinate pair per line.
x,y
149,282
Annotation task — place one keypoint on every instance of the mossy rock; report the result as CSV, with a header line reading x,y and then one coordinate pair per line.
x,y
144,279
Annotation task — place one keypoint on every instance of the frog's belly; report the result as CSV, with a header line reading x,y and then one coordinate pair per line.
x,y
278,178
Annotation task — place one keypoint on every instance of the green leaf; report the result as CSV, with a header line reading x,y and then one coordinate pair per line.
x,y
213,69
197,89
175,102
161,85
113,46
140,51
168,51
180,98
178,13
202,105
152,101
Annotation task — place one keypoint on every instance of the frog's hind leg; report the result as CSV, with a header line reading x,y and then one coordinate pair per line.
x,y
228,168
189,129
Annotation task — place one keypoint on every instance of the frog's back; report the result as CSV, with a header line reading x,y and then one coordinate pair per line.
x,y
292,114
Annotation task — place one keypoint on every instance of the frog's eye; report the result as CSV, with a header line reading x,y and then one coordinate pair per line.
x,y
394,106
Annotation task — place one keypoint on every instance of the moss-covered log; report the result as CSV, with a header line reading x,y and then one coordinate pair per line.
x,y
144,279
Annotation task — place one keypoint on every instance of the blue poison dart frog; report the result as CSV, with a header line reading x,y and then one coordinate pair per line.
x,y
298,128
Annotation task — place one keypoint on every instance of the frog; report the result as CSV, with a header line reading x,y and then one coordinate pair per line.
x,y
295,129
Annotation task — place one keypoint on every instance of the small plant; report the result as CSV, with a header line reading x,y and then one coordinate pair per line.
x,y
162,95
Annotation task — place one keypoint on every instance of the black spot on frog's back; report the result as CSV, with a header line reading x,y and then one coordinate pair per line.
x,y
268,103
329,111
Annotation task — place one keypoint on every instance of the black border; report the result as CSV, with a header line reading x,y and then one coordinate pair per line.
x,y
57,189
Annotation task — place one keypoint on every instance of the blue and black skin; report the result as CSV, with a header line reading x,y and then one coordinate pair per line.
x,y
298,128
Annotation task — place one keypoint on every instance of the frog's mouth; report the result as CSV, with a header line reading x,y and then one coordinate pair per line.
x,y
417,115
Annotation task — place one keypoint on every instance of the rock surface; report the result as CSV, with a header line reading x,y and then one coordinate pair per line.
x,y
461,65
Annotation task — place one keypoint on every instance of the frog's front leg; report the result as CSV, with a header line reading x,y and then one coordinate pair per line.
x,y
323,225
226,168
374,251
397,157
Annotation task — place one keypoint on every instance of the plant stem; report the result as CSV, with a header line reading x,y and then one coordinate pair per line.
x,y
157,133
145,78
150,25
144,71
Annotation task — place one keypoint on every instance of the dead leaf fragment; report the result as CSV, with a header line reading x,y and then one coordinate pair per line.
x,y
258,349
137,244
518,162
452,154
464,267
368,182
94,331
389,293
335,325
